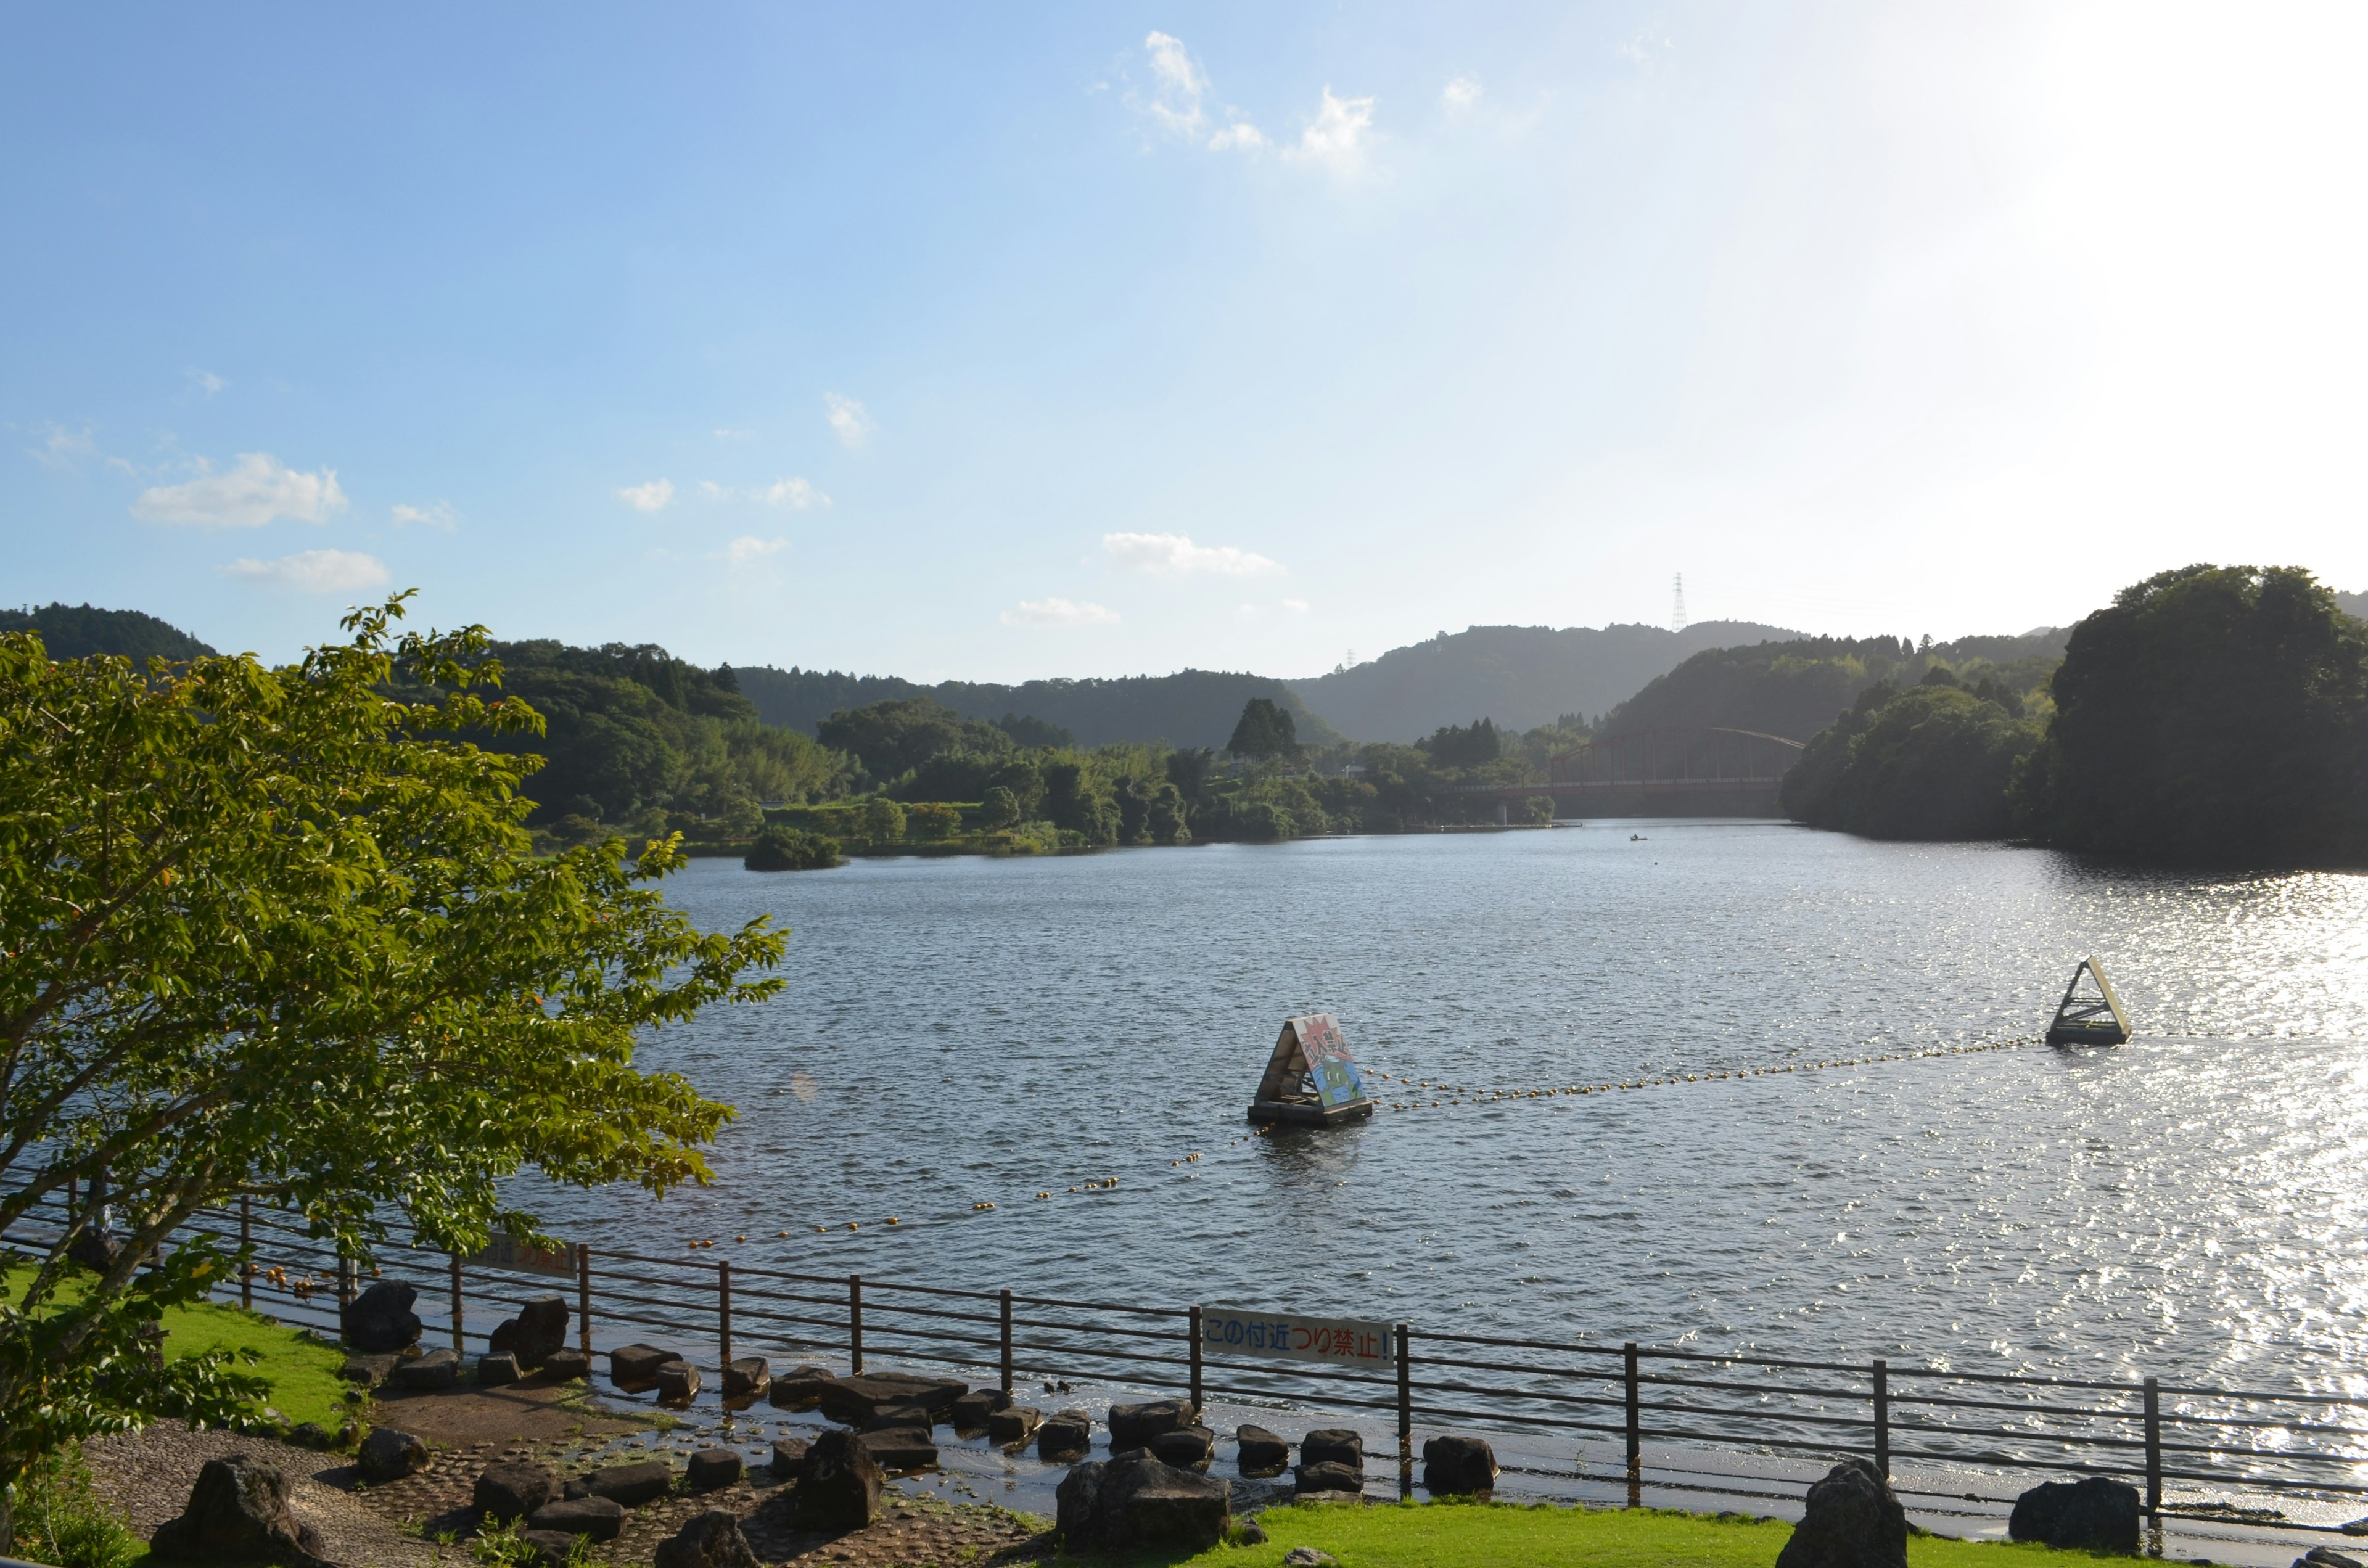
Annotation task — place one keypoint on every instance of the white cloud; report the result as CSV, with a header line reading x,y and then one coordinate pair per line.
x,y
794,494
748,549
1296,606
654,496
1335,137
1176,553
62,447
1059,612
1461,97
440,517
1239,137
714,491
849,420
1175,107
258,490
209,380
731,434
313,571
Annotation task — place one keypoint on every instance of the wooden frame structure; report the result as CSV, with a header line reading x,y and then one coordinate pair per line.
x,y
1310,1080
2089,1020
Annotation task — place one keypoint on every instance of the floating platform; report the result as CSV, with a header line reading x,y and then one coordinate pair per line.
x,y
1310,1080
2095,1019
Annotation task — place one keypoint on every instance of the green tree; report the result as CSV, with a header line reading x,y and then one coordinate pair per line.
x,y
1931,762
1264,730
1458,745
1001,809
883,822
896,736
272,933
779,848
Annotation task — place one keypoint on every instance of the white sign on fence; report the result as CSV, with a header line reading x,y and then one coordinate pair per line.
x,y
1294,1336
508,1251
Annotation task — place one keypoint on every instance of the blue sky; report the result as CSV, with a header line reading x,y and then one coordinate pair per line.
x,y
1019,341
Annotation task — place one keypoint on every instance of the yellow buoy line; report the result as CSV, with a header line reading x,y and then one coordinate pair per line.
x,y
1460,1095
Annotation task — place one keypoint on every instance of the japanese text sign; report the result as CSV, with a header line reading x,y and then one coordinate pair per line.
x,y
1295,1336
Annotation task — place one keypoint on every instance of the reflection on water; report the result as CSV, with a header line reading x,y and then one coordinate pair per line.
x,y
958,1031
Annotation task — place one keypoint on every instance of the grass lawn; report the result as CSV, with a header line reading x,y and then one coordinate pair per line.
x,y
302,1371
1483,1535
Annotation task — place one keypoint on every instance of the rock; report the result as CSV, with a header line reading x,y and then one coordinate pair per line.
x,y
2327,1557
512,1491
901,1447
678,1381
389,1455
1457,1467
972,1409
379,1320
553,1548
748,1378
2095,1515
238,1511
1261,1452
1851,1520
1249,1532
853,1401
574,1490
1133,1425
367,1371
1327,1476
439,1368
800,1387
713,1539
838,1485
1067,1435
1134,1501
566,1366
635,1366
310,1435
897,1415
630,1485
1308,1557
598,1517
536,1334
789,1457
1333,1445
712,1470
1186,1447
1014,1424
496,1367
94,1249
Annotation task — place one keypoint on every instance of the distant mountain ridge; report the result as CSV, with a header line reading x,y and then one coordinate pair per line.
x,y
1517,677
77,631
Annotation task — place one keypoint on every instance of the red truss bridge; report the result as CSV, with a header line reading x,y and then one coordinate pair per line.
x,y
1700,772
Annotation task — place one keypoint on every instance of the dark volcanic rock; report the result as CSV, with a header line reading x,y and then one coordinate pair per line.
x,y
512,1491
798,1387
1327,1476
896,1416
1453,1467
496,1368
853,1401
1133,1425
599,1517
536,1334
1851,1520
369,1371
630,1485
1261,1452
1333,1445
311,1434
1134,1501
712,1470
2095,1515
789,1457
1185,1448
678,1381
1014,1424
972,1409
838,1485
389,1455
635,1366
553,1548
439,1368
901,1447
564,1366
379,1320
1069,1434
746,1378
238,1512
713,1539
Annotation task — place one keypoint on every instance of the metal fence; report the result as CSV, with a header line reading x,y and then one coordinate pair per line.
x,y
2214,1441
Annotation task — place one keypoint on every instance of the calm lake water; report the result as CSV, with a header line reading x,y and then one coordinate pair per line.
x,y
963,1031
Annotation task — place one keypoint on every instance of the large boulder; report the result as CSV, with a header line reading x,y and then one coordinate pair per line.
x,y
1458,1466
539,1329
437,1369
838,1485
746,1378
712,1470
972,1409
630,1485
1327,1478
512,1491
901,1447
379,1320
1135,1502
1260,1452
566,1366
389,1455
800,1387
496,1368
853,1401
897,1415
2095,1514
1185,1448
238,1512
602,1518
633,1367
1013,1424
1851,1520
789,1457
678,1382
1334,1445
713,1539
1068,1436
1133,1425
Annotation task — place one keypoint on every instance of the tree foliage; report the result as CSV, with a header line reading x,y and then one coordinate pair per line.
x,y
1931,762
778,848
1264,730
77,632
274,932
895,737
1462,745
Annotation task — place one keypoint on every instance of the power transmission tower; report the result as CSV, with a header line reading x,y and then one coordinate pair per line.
x,y
1677,609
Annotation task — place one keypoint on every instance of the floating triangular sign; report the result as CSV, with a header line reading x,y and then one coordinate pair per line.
x,y
1311,1077
2093,1017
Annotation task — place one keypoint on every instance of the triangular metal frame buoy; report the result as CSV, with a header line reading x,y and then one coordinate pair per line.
x,y
2095,1020
1310,1080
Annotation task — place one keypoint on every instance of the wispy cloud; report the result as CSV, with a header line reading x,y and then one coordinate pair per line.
x,y
793,494
1176,553
729,435
62,448
1176,105
1336,138
259,490
207,381
440,517
654,496
1296,606
1059,612
748,549
313,571
849,420
1462,95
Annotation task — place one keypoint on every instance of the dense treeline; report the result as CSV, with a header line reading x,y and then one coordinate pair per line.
x,y
1935,761
77,631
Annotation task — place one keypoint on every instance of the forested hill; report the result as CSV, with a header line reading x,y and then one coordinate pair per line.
x,y
1796,688
1192,707
1520,676
2353,605
77,631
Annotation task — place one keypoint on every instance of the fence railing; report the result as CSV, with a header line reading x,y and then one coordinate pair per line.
x,y
2214,1439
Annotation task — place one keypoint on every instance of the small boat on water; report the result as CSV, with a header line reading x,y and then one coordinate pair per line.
x,y
2093,1018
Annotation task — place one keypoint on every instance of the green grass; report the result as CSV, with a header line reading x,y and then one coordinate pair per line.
x,y
1482,1535
302,1370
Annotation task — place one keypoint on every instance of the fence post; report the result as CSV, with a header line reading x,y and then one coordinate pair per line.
x,y
583,1298
854,1323
1405,1415
723,1313
2154,1449
1883,1417
1194,1328
1635,1429
1006,1342
246,1251
459,1345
